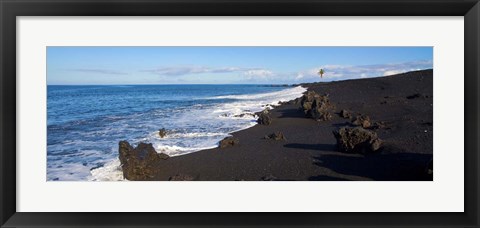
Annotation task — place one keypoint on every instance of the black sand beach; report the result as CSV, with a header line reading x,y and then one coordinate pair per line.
x,y
400,108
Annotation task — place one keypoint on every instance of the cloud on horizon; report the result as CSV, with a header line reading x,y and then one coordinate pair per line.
x,y
185,70
342,72
98,71
261,74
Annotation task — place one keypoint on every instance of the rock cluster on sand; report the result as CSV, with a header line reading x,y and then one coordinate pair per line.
x,y
345,114
264,118
228,141
362,120
162,132
138,163
316,106
357,140
275,136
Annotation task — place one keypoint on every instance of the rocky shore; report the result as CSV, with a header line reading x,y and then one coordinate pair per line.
x,y
363,129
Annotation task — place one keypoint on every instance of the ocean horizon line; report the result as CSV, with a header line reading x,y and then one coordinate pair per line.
x,y
268,84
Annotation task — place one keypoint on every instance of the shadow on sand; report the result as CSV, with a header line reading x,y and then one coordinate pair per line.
x,y
291,113
316,147
385,167
344,124
389,164
326,178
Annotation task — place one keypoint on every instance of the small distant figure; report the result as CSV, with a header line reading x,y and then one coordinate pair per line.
x,y
321,72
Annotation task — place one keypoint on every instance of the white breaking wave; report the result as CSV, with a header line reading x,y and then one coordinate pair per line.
x,y
70,172
189,135
283,94
109,172
178,150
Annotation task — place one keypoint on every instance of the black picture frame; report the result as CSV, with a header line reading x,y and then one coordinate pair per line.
x,y
10,9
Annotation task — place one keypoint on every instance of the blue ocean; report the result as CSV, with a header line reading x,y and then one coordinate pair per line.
x,y
85,123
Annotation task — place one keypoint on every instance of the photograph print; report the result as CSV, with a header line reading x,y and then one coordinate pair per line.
x,y
260,113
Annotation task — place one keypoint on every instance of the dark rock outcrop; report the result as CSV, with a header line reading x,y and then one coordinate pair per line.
x,y
228,141
380,125
243,115
264,118
316,106
275,136
357,140
296,101
307,100
138,163
362,120
345,114
162,132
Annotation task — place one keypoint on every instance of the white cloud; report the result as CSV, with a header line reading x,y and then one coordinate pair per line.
x,y
245,74
299,76
184,70
258,74
392,72
348,72
98,71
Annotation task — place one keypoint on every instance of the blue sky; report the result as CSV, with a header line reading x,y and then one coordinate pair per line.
x,y
227,65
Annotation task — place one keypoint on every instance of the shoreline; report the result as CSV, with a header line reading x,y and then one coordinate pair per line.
x,y
403,103
111,171
268,105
